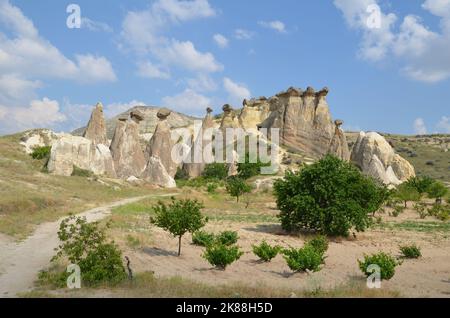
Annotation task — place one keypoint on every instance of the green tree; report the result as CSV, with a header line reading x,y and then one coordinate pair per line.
x,y
179,217
216,171
247,169
406,192
421,184
437,191
331,196
237,187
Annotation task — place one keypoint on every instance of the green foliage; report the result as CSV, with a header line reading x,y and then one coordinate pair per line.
x,y
78,172
421,184
437,190
306,258
410,251
203,238
228,238
319,243
386,262
85,244
212,187
40,153
181,174
406,192
331,197
220,255
216,171
179,217
237,187
421,209
266,252
439,211
398,209
247,169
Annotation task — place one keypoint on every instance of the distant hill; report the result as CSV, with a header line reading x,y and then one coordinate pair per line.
x,y
148,125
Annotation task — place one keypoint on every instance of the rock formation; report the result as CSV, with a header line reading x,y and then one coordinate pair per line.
x,y
161,145
155,173
254,112
195,169
96,128
70,151
339,146
38,138
129,159
229,119
305,122
376,158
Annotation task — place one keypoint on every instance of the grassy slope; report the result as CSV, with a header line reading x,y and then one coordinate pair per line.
x,y
29,196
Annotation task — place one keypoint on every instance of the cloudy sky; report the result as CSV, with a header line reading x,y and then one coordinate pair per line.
x,y
386,72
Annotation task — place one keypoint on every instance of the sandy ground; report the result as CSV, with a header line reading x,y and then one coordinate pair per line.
x,y
428,276
20,262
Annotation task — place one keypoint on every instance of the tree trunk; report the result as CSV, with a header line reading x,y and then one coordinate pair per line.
x,y
237,199
406,204
179,245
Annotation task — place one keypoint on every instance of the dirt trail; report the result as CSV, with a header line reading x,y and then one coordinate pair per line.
x,y
21,262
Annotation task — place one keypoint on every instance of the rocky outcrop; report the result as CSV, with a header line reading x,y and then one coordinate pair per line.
x,y
70,151
229,118
155,173
194,168
376,158
339,145
96,128
305,124
38,138
254,112
161,145
129,159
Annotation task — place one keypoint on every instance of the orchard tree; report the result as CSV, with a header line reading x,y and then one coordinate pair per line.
x,y
179,218
437,191
406,192
331,197
237,187
421,184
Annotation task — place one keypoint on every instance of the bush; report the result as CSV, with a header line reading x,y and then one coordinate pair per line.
x,y
40,153
247,169
386,262
220,255
179,217
331,197
437,191
228,238
306,258
421,184
78,172
266,252
441,212
397,210
181,174
406,192
421,208
319,243
202,238
85,244
410,251
237,187
211,187
216,171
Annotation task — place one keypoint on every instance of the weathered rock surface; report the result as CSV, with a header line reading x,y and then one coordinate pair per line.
x,y
38,138
155,173
129,159
305,124
161,145
70,151
96,128
229,118
376,157
254,112
339,145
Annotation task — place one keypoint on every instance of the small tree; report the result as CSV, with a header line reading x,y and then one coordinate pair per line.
x,y
421,184
249,169
437,191
406,192
179,217
237,187
216,171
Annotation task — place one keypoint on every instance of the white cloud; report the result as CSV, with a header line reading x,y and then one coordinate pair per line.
x,y
274,25
221,40
17,90
94,69
95,26
189,102
115,109
202,83
422,52
237,92
242,34
420,127
185,10
149,70
444,125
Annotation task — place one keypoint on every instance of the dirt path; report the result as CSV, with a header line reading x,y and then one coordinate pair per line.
x,y
21,262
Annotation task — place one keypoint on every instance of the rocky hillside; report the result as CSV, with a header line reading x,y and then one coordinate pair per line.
x,y
147,126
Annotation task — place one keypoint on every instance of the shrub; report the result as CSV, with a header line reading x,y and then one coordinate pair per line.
x,y
437,191
40,153
397,210
202,238
85,244
386,262
78,172
421,184
211,187
331,197
421,208
266,252
179,217
441,212
228,238
406,192
220,255
306,258
181,174
410,251
237,187
319,243
247,169
216,171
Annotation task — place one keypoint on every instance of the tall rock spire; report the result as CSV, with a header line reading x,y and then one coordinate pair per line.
x,y
96,128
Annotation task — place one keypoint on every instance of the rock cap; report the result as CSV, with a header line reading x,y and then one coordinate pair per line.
x,y
163,113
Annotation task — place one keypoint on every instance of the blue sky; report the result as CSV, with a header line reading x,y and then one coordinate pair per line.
x,y
193,53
